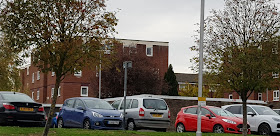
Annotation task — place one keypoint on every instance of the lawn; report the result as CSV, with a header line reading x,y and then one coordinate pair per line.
x,y
37,131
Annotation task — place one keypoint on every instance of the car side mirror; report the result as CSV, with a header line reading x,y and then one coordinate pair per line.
x,y
208,115
80,108
251,113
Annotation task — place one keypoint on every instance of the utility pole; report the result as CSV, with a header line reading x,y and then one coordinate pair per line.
x,y
126,64
198,132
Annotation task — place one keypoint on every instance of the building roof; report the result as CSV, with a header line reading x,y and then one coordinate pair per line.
x,y
183,77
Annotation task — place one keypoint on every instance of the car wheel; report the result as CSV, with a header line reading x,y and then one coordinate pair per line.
x,y
264,129
180,128
218,129
86,124
60,123
131,125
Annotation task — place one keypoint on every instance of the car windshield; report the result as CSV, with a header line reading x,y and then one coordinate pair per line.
x,y
221,112
17,97
262,110
98,104
155,104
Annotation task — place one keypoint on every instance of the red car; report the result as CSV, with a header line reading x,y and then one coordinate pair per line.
x,y
213,119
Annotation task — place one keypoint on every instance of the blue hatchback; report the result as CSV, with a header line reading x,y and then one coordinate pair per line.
x,y
89,113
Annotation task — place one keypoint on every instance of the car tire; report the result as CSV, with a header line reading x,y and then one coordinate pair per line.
x,y
60,123
131,125
218,129
86,124
180,128
264,129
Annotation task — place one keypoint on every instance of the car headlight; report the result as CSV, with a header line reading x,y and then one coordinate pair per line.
x,y
95,114
276,119
121,116
229,121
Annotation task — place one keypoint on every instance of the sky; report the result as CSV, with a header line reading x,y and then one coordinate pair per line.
x,y
170,21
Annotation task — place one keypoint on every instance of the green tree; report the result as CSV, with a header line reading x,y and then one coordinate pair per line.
x,y
9,71
63,36
238,46
170,79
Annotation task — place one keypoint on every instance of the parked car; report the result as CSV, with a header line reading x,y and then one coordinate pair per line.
x,y
262,119
213,119
89,113
277,111
54,120
144,112
18,108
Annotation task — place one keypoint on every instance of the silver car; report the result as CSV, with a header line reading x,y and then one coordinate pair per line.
x,y
146,112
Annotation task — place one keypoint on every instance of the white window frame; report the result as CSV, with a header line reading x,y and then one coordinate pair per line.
x,y
32,95
275,74
27,71
260,96
33,76
38,95
276,95
52,92
230,95
77,73
82,90
38,75
151,51
53,73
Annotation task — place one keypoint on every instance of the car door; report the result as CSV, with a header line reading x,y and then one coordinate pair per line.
x,y
252,119
66,112
206,122
78,114
127,108
190,118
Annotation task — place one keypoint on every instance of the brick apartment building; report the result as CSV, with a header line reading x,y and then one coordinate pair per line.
x,y
40,86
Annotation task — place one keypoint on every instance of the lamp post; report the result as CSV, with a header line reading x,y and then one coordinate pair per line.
x,y
126,64
99,76
198,132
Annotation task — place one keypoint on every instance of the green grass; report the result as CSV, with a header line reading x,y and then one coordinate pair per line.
x,y
37,131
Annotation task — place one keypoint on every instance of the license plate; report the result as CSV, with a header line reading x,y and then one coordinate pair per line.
x,y
26,109
113,122
157,115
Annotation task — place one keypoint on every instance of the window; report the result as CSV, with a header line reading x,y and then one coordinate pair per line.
x,y
134,104
154,104
149,51
249,109
53,73
79,103
78,73
84,91
32,96
69,103
275,74
205,111
27,71
127,104
38,75
259,96
230,96
116,104
33,76
234,109
38,94
276,95
52,92
190,110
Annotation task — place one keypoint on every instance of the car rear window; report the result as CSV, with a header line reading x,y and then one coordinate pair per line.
x,y
16,97
154,104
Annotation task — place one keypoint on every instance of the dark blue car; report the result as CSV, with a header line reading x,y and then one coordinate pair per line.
x,y
89,113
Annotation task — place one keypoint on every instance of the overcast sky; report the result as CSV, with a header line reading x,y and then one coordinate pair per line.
x,y
170,21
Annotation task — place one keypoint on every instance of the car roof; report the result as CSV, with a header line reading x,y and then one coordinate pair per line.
x,y
207,106
85,98
241,105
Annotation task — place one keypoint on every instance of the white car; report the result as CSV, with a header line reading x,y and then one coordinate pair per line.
x,y
262,119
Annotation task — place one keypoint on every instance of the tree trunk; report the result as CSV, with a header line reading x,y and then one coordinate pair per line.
x,y
244,106
51,112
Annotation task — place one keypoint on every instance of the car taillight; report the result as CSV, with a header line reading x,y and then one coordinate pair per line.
x,y
41,109
141,112
168,113
8,106
60,108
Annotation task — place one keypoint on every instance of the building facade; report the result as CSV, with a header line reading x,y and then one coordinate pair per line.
x,y
40,86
